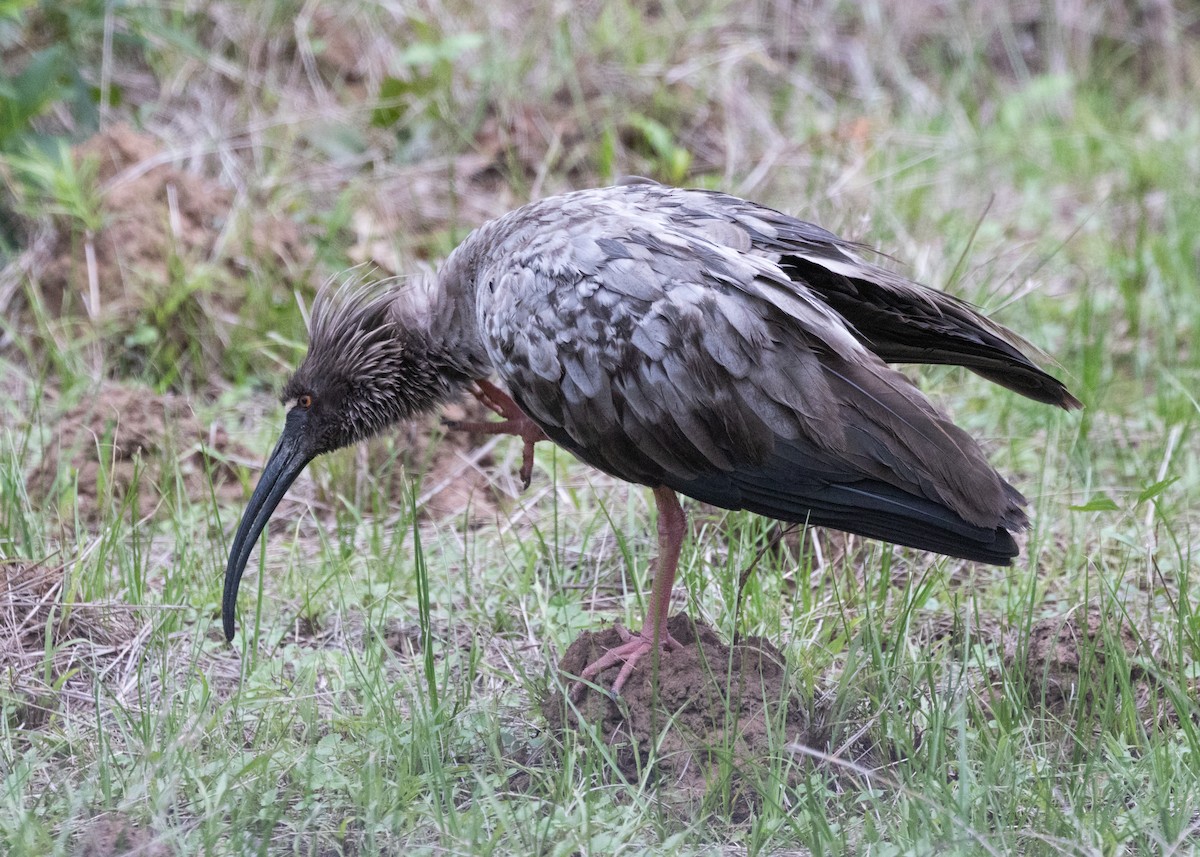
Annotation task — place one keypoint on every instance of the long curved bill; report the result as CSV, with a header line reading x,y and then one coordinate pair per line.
x,y
286,463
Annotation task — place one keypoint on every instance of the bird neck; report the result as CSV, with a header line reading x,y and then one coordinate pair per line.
x,y
441,313
428,372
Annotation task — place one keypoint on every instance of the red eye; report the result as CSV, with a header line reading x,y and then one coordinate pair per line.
x,y
305,401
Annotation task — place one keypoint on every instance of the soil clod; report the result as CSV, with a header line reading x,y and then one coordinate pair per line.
x,y
713,708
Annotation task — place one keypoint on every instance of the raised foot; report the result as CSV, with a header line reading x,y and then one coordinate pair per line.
x,y
633,648
515,422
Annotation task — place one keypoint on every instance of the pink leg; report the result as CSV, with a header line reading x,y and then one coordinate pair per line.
x,y
672,525
515,422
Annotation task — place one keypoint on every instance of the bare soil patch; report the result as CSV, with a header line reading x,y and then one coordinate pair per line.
x,y
148,217
454,472
153,213
715,707
156,286
126,438
1067,655
457,469
117,835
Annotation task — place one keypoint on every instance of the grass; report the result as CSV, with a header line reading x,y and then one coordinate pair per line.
x,y
383,694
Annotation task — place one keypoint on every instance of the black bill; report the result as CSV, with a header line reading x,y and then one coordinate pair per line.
x,y
290,457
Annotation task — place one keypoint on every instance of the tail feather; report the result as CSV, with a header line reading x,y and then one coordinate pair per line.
x,y
906,323
865,507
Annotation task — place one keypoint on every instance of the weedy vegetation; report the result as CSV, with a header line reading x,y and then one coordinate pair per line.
x,y
176,180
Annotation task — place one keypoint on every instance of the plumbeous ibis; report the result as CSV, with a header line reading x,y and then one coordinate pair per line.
x,y
686,340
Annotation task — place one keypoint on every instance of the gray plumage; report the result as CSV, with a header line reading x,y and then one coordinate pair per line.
x,y
690,340
699,341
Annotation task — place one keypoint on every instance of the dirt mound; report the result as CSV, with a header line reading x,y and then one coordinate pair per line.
x,y
715,706
148,218
1065,656
127,438
116,835
154,214
155,282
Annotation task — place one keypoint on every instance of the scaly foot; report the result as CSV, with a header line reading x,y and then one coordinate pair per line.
x,y
632,649
515,422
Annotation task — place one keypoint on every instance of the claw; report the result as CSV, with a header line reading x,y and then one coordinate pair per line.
x,y
527,463
632,649
515,422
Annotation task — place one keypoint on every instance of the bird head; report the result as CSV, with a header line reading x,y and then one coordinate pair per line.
x,y
363,372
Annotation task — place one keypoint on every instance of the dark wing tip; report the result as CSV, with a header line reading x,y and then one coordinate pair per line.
x,y
1054,392
1069,402
783,490
904,322
1030,382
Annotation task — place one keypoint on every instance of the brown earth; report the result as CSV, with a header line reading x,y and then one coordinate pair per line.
x,y
126,437
153,213
117,835
454,473
715,707
722,708
147,218
457,475
1064,653
157,286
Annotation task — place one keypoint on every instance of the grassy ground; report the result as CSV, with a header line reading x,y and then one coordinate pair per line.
x,y
383,694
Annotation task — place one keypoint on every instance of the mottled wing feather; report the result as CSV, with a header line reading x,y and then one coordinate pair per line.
x,y
663,357
901,321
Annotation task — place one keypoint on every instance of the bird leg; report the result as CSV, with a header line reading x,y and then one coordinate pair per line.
x,y
515,422
672,525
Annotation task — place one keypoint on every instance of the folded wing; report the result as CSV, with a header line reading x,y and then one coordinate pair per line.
x,y
665,358
901,321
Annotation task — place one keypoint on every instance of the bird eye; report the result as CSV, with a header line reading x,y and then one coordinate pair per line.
x,y
305,401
